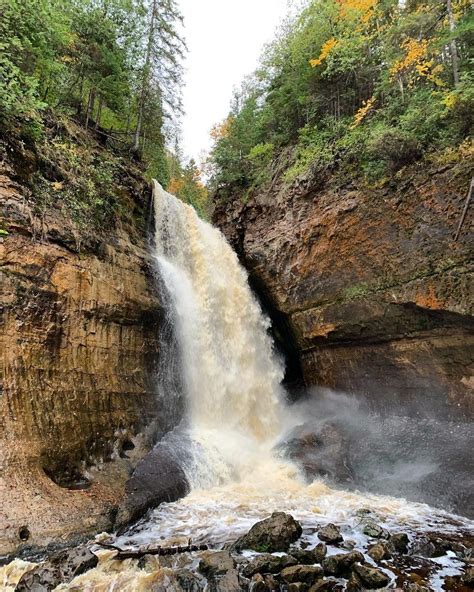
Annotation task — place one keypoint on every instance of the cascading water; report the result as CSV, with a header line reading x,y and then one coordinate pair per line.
x,y
231,377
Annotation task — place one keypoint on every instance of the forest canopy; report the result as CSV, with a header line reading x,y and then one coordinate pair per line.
x,y
115,66
365,85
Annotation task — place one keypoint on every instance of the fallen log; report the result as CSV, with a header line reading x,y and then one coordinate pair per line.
x,y
142,551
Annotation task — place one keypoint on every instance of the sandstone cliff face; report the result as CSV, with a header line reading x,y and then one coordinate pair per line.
x,y
80,342
366,286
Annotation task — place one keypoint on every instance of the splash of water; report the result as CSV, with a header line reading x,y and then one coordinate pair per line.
x,y
231,376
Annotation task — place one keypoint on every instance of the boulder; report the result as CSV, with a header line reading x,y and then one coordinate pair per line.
x,y
399,542
330,534
267,563
298,587
272,583
323,585
310,556
60,568
219,569
257,584
157,478
307,574
371,577
374,530
275,533
354,583
189,582
340,564
320,451
379,552
468,577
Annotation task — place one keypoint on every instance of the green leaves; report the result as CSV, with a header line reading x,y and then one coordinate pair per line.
x,y
363,85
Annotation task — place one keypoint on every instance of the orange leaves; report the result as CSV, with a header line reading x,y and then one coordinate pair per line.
x,y
416,64
222,130
353,15
325,51
175,185
363,9
367,106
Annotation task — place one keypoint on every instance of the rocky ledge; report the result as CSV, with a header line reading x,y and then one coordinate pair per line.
x,y
368,290
274,555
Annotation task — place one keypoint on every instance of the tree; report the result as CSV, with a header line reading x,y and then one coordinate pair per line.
x,y
161,72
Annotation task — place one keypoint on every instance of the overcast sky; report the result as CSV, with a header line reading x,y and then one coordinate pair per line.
x,y
225,39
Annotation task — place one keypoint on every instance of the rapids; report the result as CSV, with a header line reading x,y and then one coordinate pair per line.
x,y
235,414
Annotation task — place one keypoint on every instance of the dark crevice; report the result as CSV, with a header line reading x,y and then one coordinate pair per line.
x,y
283,338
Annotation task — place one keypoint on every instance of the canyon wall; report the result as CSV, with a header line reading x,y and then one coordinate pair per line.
x,y
368,291
79,334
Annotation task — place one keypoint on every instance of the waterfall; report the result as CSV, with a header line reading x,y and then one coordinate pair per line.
x,y
230,375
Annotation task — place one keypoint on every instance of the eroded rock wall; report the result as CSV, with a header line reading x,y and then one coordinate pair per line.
x,y
367,286
79,339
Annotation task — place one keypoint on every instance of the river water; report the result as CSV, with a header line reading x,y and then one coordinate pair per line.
x,y
235,415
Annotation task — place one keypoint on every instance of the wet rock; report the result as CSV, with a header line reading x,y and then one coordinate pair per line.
x,y
319,452
379,552
310,556
399,542
275,533
189,582
219,569
156,479
468,577
340,564
323,585
257,584
271,583
330,534
267,563
414,587
301,573
424,547
371,577
374,530
60,568
298,587
354,583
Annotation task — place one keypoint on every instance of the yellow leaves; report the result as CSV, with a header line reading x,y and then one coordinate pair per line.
x,y
416,64
353,15
363,9
450,101
222,130
57,185
367,106
325,51
415,52
175,185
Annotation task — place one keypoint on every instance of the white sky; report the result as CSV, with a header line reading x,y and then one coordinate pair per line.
x,y
225,39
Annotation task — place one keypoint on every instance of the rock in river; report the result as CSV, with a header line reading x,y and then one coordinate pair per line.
x,y
275,533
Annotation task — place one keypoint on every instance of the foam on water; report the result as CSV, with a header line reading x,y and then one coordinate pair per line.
x,y
231,379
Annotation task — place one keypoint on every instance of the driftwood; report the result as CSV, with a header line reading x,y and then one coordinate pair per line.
x,y
142,551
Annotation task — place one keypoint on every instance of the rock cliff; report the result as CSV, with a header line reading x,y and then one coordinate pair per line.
x,y
367,289
80,312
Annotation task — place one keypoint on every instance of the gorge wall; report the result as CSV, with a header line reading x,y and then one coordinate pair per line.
x,y
80,312
366,286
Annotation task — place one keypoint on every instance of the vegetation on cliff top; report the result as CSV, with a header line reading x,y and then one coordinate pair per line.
x,y
367,86
115,68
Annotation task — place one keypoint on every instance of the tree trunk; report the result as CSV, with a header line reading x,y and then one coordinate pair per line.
x,y
452,44
90,106
145,79
99,113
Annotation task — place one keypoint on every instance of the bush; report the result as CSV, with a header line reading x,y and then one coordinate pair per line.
x,y
395,146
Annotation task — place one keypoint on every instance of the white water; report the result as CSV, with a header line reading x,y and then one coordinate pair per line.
x,y
231,379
